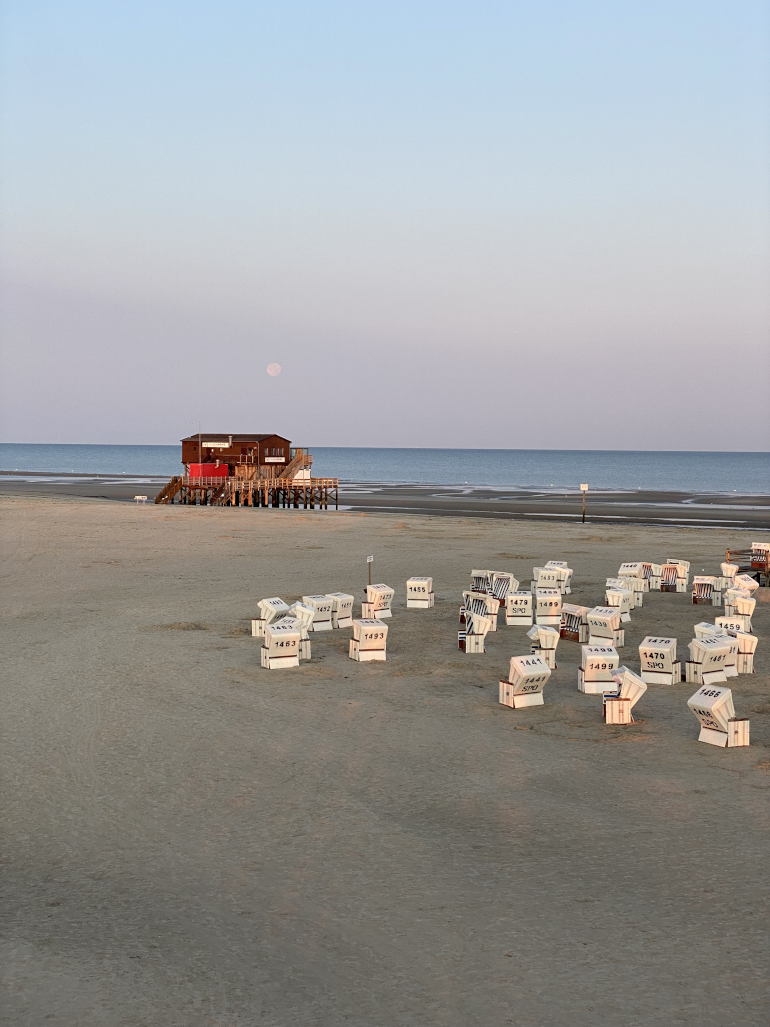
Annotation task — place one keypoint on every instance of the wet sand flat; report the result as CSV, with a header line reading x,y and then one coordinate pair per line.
x,y
604,507
191,840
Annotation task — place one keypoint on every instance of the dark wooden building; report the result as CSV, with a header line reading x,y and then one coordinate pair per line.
x,y
241,456
247,470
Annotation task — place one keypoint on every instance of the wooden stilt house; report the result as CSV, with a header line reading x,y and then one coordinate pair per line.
x,y
243,456
247,470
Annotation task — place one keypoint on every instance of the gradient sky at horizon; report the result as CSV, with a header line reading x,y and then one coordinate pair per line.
x,y
454,224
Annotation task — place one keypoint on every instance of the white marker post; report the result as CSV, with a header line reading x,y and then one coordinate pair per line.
x,y
370,561
584,489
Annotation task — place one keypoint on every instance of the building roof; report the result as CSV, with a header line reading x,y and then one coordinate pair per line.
x,y
208,437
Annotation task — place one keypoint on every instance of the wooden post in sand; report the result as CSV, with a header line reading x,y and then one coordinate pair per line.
x,y
584,489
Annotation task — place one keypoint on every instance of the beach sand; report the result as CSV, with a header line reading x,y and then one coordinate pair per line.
x,y
191,840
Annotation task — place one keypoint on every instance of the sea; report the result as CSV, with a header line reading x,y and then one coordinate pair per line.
x,y
536,469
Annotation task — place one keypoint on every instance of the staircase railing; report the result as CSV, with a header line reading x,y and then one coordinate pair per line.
x,y
301,460
168,491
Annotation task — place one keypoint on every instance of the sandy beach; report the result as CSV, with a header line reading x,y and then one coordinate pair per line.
x,y
191,840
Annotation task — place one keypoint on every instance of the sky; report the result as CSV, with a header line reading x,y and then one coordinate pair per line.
x,y
515,225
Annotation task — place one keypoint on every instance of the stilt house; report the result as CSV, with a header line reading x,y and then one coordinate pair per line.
x,y
247,470
244,456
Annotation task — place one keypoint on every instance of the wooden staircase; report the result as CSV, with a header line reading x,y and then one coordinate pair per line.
x,y
220,496
167,493
301,461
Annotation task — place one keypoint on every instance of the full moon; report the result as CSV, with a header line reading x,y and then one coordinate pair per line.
x,y
273,370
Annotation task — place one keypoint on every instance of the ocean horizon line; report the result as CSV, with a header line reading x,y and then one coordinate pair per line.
x,y
429,449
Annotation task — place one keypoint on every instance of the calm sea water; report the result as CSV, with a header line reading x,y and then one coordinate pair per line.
x,y
747,473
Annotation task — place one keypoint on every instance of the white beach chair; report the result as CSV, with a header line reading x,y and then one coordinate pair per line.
x,y
713,706
660,666
548,606
378,602
739,604
419,594
280,648
671,580
270,610
342,609
518,609
501,584
598,663
705,591
322,611
708,657
369,641
527,676
565,575
544,577
480,581
619,597
477,627
604,627
303,615
574,623
619,702
544,642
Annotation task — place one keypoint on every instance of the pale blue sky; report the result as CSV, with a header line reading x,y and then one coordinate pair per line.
x,y
452,224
